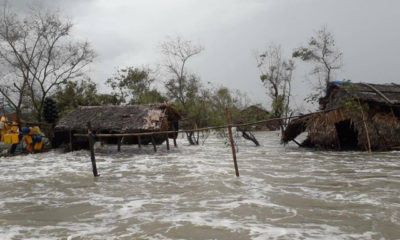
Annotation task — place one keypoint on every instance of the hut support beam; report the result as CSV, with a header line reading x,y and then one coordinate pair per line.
x,y
119,144
70,140
175,134
154,143
167,141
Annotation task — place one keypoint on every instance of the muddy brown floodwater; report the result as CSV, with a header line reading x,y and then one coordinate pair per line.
x,y
191,192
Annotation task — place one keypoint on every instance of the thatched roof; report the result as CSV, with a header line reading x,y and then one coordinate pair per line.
x,y
324,132
119,119
337,127
337,92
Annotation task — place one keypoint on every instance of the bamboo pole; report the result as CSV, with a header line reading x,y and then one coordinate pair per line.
x,y
91,146
228,119
365,126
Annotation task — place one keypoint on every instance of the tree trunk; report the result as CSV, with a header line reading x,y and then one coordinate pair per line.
x,y
191,138
249,136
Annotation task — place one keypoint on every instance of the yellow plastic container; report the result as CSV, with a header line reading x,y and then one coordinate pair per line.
x,y
35,131
28,139
38,146
7,139
14,127
14,139
29,147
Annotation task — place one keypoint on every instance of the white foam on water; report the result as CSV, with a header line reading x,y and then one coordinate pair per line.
x,y
283,193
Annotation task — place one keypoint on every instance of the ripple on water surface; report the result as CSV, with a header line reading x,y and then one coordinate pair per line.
x,y
191,193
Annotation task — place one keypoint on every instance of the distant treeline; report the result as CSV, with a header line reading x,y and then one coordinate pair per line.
x,y
41,59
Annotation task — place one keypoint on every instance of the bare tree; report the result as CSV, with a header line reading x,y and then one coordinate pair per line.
x,y
321,50
177,53
38,53
276,75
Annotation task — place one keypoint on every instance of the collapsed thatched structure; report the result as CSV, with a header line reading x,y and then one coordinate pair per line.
x,y
353,116
117,119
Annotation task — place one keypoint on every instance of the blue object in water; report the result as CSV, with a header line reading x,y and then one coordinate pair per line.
x,y
344,82
36,138
26,130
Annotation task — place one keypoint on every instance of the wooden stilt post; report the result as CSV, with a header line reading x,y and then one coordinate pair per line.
x,y
70,140
154,143
228,117
167,140
175,135
139,139
119,144
91,146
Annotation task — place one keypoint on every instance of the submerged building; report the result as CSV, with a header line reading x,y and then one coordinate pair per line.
x,y
116,120
353,116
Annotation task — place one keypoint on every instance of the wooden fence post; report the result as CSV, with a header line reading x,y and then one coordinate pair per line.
x,y
228,118
91,146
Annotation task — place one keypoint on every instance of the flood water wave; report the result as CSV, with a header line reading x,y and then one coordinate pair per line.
x,y
191,192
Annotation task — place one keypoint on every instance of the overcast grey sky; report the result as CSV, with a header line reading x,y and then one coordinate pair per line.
x,y
128,33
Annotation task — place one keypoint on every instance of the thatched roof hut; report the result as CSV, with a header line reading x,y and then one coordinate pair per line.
x,y
118,119
353,116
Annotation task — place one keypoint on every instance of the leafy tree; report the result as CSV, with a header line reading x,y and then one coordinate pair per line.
x,y
133,86
81,93
321,50
276,76
37,51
